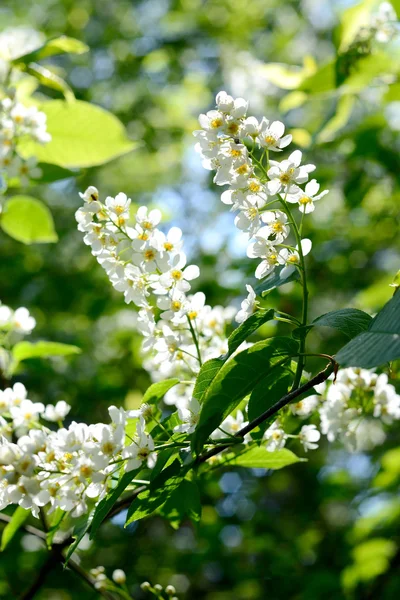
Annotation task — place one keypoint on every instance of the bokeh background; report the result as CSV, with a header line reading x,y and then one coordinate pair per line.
x,y
328,528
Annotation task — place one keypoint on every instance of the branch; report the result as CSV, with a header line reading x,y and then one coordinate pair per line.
x,y
272,410
27,528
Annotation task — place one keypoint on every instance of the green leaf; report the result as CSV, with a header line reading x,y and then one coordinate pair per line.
x,y
338,121
271,389
275,280
350,321
80,531
59,45
183,503
105,505
236,379
352,20
259,458
157,494
83,135
157,391
52,173
17,520
50,79
379,344
210,368
24,350
28,220
57,519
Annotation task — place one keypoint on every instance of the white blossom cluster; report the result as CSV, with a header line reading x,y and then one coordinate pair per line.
x,y
354,409
68,467
236,146
149,267
19,321
18,121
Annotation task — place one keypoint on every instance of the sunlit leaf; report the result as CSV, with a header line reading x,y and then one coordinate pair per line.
x,y
28,220
83,135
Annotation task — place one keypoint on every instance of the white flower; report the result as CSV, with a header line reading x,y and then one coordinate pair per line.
x,y
148,221
189,417
57,412
119,207
309,436
276,222
179,275
275,436
140,450
270,136
288,174
307,198
304,407
22,321
248,306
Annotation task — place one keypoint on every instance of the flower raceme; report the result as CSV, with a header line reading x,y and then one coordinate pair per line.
x,y
237,147
149,267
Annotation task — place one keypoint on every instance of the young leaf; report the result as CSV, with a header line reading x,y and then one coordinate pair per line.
x,y
24,350
28,220
83,135
183,503
349,321
17,520
259,458
50,79
60,45
210,368
157,391
236,379
379,344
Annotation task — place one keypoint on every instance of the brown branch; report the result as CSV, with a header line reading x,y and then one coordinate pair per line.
x,y
272,410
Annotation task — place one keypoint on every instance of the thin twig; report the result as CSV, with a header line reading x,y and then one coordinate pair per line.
x,y
272,410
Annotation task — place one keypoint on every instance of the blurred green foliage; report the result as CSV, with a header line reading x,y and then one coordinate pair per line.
x,y
324,529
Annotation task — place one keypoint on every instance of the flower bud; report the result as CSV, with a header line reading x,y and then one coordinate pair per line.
x,y
145,586
119,576
170,590
158,587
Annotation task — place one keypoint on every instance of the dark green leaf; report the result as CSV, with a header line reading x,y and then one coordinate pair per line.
x,y
79,532
209,370
183,503
236,379
379,344
105,505
157,494
271,389
17,520
349,321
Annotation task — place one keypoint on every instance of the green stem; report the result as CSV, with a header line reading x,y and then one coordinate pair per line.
x,y
195,340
